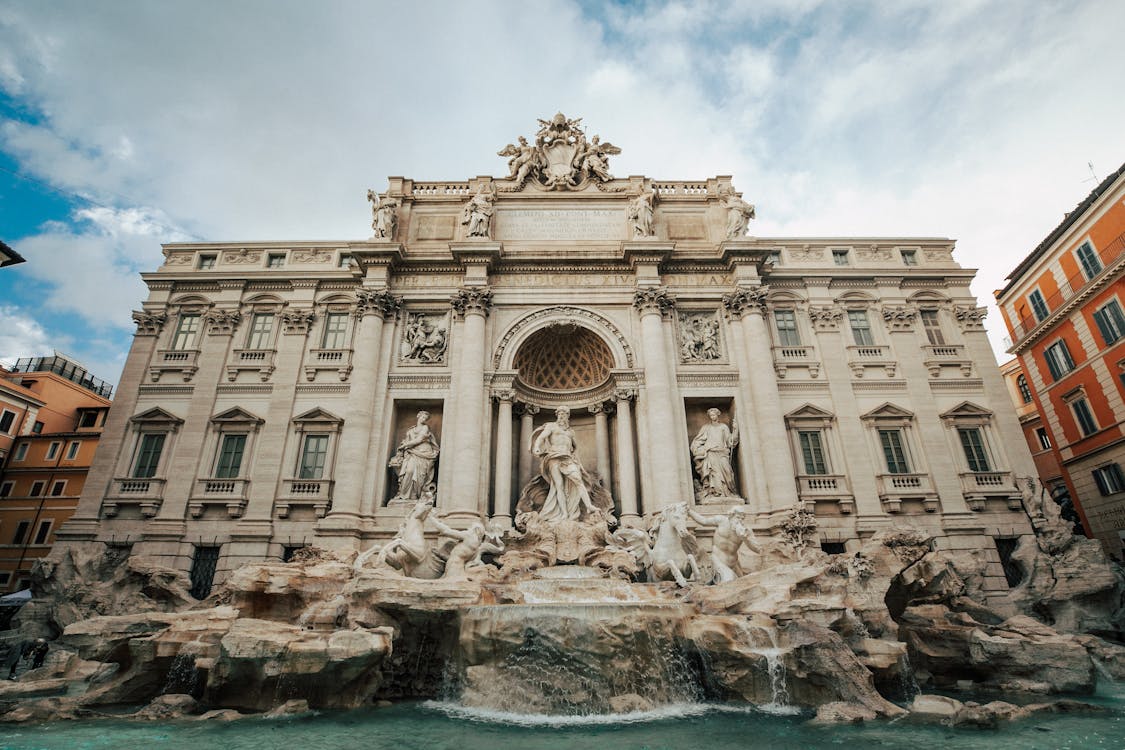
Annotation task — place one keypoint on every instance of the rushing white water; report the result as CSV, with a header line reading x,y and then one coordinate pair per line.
x,y
779,688
495,716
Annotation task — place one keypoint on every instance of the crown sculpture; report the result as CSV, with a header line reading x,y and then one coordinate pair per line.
x,y
561,157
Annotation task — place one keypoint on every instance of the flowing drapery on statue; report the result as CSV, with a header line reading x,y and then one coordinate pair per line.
x,y
414,461
711,450
564,490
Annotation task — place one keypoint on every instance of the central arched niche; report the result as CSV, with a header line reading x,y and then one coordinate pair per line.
x,y
564,357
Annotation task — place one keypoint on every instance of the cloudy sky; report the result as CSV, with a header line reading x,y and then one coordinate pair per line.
x,y
127,124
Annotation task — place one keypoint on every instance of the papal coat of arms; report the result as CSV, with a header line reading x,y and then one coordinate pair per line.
x,y
561,157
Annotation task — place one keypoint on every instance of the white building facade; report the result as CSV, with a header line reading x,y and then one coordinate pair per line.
x,y
269,385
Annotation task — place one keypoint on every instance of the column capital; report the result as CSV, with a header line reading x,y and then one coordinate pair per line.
x,y
655,299
624,394
504,394
971,318
475,300
900,317
376,302
297,321
826,317
527,409
743,301
222,322
149,324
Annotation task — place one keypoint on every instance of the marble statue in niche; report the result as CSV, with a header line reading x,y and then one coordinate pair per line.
x,y
414,461
564,490
699,337
477,214
711,454
739,214
640,214
424,339
384,216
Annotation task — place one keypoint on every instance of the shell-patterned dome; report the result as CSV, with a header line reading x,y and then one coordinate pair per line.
x,y
564,358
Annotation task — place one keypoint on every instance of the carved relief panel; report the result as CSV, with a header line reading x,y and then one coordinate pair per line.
x,y
425,338
699,339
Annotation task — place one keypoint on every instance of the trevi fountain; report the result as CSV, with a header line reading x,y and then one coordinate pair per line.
x,y
585,611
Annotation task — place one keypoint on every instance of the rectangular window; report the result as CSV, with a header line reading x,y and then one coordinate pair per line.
x,y
894,452
72,450
774,258
202,575
21,452
261,328
275,260
6,488
43,532
88,419
53,450
1111,321
206,262
335,331
787,334
21,532
58,488
1084,416
1025,391
313,456
1109,479
932,325
973,446
148,455
1088,258
345,260
909,257
1043,437
6,420
1038,305
37,488
230,456
1058,359
186,332
840,256
861,328
37,428
812,452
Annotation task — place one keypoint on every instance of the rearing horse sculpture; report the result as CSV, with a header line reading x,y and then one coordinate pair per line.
x,y
672,554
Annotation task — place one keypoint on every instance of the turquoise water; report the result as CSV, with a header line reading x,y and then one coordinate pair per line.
x,y
436,726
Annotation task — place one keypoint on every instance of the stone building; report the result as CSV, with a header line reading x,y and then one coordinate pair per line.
x,y
1063,305
272,392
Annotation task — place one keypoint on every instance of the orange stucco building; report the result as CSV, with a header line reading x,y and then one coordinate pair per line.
x,y
57,411
1064,306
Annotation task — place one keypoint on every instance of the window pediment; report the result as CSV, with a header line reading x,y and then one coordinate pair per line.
x,y
237,416
888,411
157,418
809,413
967,409
317,416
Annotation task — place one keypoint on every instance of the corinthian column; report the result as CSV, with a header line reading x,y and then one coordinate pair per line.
x,y
653,304
626,460
601,440
472,304
355,437
747,305
503,499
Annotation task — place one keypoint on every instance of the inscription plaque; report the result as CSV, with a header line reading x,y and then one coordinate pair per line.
x,y
560,224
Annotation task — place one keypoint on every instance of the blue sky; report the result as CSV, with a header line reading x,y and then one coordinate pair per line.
x,y
133,123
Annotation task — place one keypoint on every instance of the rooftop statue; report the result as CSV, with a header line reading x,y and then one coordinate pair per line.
x,y
477,214
739,214
384,215
561,157
640,214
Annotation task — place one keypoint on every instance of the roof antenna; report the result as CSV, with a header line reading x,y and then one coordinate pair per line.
x,y
1093,174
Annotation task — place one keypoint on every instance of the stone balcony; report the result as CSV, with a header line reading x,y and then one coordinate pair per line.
x,y
946,355
787,357
310,492
894,488
813,488
146,493
261,360
183,361
229,492
979,486
860,358
339,360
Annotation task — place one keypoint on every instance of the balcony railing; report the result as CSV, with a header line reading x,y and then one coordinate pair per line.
x,y
945,351
314,492
184,361
1109,256
978,486
813,487
229,492
65,368
864,356
145,492
894,488
251,359
339,360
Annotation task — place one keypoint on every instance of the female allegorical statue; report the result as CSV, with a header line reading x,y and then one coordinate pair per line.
x,y
414,460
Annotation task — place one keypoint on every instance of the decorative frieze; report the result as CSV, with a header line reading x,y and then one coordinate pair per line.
x,y
241,257
313,255
475,300
149,324
699,337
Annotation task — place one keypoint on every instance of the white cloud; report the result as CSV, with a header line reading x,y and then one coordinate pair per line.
x,y
21,335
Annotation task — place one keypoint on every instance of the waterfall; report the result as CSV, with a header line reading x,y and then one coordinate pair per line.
x,y
779,686
907,682
183,677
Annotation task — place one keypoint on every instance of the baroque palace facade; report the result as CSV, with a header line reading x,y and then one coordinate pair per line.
x,y
272,393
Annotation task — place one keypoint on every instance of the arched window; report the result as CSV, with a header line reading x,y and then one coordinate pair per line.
x,y
1025,392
